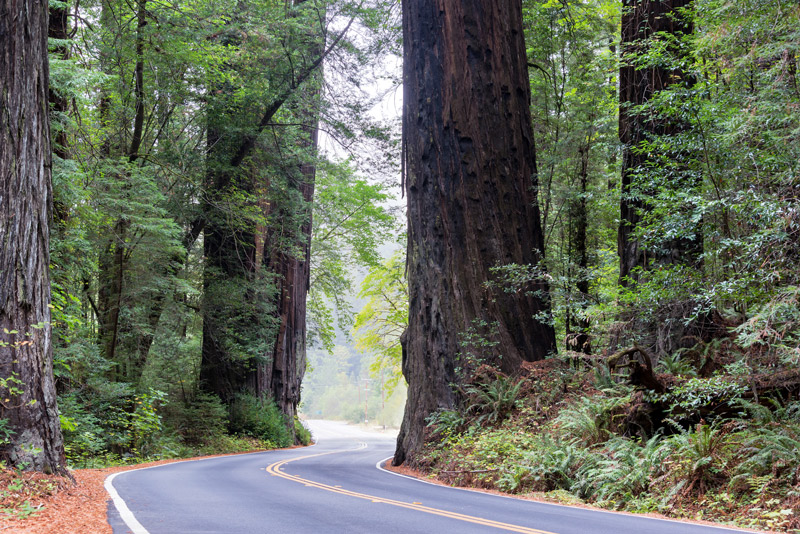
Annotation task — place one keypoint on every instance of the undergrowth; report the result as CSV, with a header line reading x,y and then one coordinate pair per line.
x,y
718,452
119,427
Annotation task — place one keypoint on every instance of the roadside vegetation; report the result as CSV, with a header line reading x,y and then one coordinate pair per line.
x,y
668,191
721,445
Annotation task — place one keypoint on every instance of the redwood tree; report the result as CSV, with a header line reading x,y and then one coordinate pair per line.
x,y
31,431
470,179
260,348
642,22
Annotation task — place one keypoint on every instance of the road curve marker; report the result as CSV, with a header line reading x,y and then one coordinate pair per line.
x,y
119,503
275,469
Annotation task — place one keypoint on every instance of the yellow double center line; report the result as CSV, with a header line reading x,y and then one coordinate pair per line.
x,y
275,470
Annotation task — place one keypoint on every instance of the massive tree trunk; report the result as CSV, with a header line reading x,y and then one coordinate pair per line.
x,y
641,21
288,363
234,299
470,178
272,254
27,388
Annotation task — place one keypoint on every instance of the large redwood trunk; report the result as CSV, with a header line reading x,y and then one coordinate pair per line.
x,y
27,390
235,292
288,364
470,178
641,20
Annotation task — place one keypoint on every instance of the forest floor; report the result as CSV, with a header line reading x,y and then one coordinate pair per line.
x,y
35,503
557,433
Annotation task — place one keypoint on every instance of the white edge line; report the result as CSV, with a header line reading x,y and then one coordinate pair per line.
x,y
380,463
125,513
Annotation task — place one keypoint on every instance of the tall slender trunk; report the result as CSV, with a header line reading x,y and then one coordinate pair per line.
x,y
641,21
579,339
470,178
113,264
27,387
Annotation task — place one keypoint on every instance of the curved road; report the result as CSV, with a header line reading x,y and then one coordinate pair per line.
x,y
336,487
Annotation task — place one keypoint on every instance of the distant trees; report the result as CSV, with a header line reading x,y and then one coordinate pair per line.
x,y
30,431
181,261
470,178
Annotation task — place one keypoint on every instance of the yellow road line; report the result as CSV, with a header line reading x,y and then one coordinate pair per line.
x,y
275,470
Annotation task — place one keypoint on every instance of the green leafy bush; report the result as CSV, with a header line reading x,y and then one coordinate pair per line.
x,y
301,433
197,420
445,424
111,425
261,419
624,471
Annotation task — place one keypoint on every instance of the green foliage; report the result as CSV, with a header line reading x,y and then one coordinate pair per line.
x,y
6,432
492,402
625,470
775,327
591,420
445,424
384,317
301,433
350,222
261,419
688,399
131,279
674,364
552,464
111,423
702,457
476,348
197,420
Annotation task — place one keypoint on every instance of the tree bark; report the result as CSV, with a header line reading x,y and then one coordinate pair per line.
x,y
293,271
28,406
470,178
579,340
641,21
263,251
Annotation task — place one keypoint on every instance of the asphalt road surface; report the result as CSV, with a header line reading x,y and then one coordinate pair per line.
x,y
335,486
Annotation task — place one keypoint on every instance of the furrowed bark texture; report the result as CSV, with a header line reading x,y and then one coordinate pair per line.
x,y
641,20
470,179
29,406
288,363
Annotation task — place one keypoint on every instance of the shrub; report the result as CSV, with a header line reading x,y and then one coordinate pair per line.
x,y
445,424
197,420
301,433
624,472
552,464
261,419
699,458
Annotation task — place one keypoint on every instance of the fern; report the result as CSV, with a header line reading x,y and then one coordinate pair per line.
x,y
494,401
591,420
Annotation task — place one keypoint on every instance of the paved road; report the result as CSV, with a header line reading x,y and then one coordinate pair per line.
x,y
335,487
